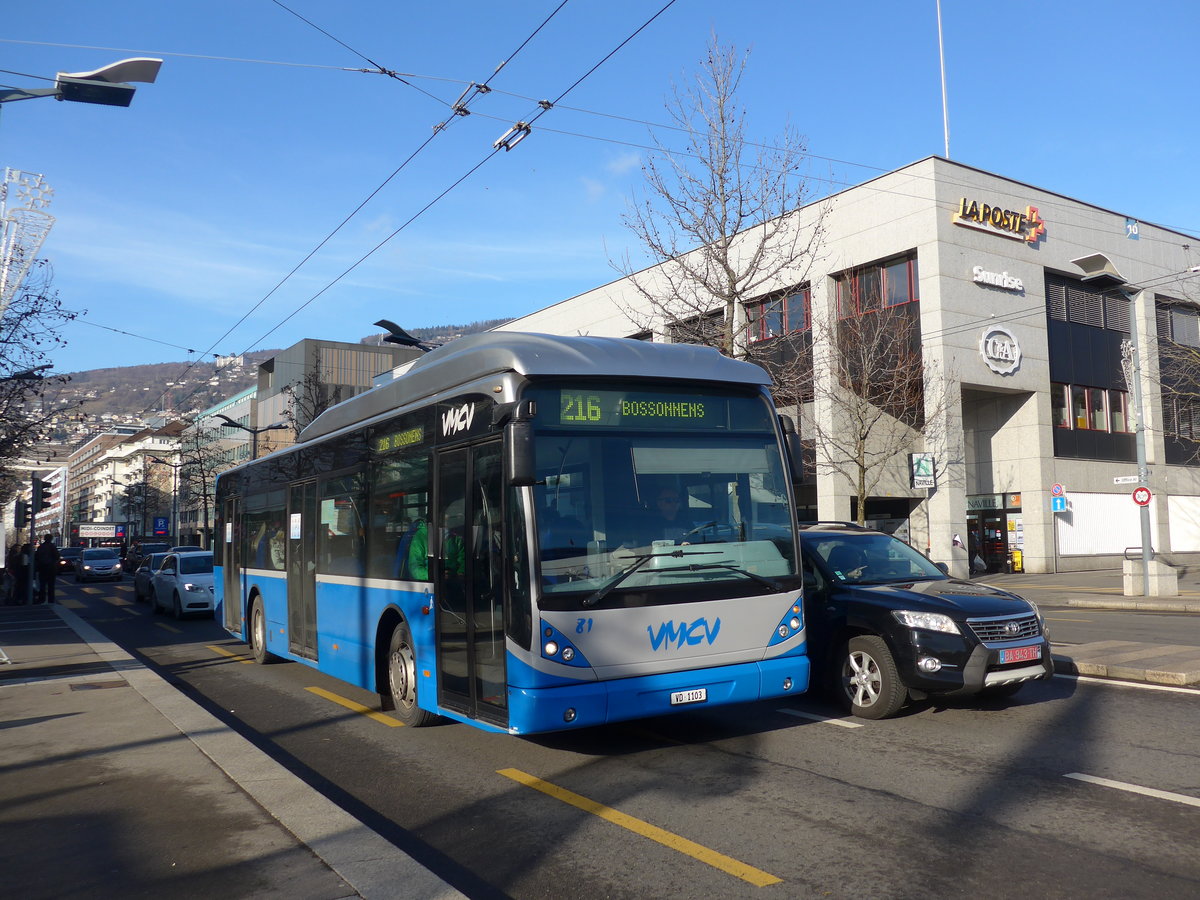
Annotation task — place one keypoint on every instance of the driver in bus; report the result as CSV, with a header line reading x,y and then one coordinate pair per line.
x,y
669,519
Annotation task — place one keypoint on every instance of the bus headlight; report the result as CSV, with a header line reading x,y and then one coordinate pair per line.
x,y
550,648
568,654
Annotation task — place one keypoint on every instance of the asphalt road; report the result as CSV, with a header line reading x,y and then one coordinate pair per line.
x,y
1074,788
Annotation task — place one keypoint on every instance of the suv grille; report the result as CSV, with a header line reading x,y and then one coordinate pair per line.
x,y
1001,629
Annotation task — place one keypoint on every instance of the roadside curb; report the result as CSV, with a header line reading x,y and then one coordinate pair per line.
x,y
370,864
1136,604
1177,666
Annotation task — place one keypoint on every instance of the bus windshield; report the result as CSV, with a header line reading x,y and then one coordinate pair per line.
x,y
640,490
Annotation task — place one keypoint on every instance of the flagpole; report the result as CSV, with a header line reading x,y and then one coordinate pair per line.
x,y
942,58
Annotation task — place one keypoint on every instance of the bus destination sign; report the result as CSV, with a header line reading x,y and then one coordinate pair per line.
x,y
638,409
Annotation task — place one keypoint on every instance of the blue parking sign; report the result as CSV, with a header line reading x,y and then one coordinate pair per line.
x,y
160,525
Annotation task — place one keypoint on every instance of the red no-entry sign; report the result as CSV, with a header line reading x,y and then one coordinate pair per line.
x,y
1142,496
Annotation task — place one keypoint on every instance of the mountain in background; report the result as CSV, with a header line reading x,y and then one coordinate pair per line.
x,y
95,400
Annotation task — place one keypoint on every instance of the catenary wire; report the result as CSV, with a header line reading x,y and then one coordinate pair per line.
x,y
370,196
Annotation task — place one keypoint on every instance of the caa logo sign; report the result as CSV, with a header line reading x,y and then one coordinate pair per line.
x,y
1000,350
690,634
456,421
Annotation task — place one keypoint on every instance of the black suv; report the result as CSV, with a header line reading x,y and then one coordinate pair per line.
x,y
885,624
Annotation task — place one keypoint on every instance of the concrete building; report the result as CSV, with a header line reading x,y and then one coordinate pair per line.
x,y
1037,435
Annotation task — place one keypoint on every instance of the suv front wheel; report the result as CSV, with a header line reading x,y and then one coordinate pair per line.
x,y
870,683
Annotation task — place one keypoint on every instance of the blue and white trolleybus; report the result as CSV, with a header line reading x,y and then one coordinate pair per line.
x,y
529,533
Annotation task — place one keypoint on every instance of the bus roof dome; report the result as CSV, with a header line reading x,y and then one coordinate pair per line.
x,y
478,355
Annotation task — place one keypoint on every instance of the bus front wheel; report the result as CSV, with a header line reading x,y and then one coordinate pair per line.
x,y
402,679
258,634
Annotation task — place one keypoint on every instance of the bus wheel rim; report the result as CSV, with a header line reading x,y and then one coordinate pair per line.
x,y
402,676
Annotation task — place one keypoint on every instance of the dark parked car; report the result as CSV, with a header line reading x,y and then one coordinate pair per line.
x,y
66,559
143,578
139,552
885,625
98,562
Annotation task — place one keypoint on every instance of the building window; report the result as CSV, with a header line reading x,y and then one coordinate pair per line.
x,y
877,286
1069,300
1085,408
781,314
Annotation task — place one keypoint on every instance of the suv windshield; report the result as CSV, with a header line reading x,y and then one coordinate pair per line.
x,y
640,489
868,557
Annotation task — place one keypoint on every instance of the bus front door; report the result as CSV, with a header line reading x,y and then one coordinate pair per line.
x,y
231,566
469,583
301,570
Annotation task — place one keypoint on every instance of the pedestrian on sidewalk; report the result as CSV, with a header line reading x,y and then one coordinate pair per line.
x,y
47,562
21,565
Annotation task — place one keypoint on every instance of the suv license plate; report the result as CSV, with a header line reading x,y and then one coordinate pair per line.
x,y
1020,654
695,695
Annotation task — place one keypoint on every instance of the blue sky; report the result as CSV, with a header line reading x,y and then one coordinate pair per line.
x,y
179,214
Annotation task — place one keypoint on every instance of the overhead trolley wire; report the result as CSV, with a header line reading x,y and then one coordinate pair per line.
x,y
437,130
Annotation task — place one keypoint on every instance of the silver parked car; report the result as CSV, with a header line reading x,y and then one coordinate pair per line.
x,y
143,587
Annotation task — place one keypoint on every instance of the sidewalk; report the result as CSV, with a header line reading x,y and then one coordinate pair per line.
x,y
1172,664
114,784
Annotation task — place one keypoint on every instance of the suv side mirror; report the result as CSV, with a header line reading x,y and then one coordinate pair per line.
x,y
943,568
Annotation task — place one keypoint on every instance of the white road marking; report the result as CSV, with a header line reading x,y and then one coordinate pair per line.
x,y
1132,684
1136,789
845,723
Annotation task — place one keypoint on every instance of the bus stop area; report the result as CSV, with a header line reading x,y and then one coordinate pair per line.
x,y
114,783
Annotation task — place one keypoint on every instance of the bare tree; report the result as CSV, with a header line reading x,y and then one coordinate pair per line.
x,y
718,219
140,498
29,332
201,464
879,399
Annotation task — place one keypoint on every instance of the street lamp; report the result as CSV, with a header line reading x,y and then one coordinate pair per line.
x,y
1099,270
175,467
254,432
34,374
105,86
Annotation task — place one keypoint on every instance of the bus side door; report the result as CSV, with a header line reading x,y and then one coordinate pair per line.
x,y
468,582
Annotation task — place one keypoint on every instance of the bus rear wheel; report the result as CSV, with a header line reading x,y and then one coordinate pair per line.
x,y
402,679
258,634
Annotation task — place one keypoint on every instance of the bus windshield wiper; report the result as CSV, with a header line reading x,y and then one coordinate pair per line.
x,y
773,585
638,561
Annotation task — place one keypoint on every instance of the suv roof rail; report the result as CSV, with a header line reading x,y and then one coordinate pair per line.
x,y
849,526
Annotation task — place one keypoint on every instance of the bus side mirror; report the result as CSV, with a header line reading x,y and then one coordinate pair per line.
x,y
518,453
791,443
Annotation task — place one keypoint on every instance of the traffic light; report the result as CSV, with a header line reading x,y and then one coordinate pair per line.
x,y
41,495
22,514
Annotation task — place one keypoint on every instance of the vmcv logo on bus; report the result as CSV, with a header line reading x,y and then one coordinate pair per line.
x,y
456,421
683,633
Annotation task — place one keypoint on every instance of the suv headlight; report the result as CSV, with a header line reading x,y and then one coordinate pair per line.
x,y
926,620
194,587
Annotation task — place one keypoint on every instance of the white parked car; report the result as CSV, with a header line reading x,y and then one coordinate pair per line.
x,y
183,584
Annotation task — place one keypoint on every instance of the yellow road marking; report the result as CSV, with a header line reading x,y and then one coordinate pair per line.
x,y
728,864
169,628
221,651
356,707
